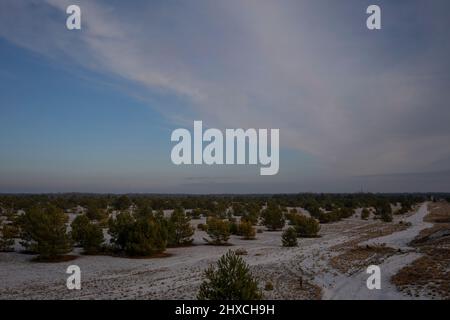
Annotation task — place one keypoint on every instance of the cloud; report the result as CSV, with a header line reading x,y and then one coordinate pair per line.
x,y
360,102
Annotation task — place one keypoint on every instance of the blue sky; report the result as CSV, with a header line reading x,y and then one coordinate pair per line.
x,y
93,110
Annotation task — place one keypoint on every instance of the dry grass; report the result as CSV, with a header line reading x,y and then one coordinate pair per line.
x,y
357,258
428,275
439,212
354,258
369,232
287,283
438,235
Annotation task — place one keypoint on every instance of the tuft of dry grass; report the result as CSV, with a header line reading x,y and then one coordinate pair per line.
x,y
241,252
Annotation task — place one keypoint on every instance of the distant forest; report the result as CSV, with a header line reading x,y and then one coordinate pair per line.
x,y
212,203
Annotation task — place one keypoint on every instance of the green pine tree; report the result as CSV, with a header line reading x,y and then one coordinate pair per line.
x,y
141,236
7,235
87,234
231,280
44,232
289,237
180,230
218,230
273,217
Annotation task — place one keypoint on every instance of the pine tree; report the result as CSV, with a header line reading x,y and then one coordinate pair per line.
x,y
365,214
218,230
273,217
95,213
289,237
44,232
87,234
386,216
385,212
232,280
122,203
180,230
7,234
141,236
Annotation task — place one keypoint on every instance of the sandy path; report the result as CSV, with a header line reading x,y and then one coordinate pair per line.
x,y
400,240
354,287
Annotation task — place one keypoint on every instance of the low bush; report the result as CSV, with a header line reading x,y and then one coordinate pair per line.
x,y
365,213
268,286
201,227
306,227
246,230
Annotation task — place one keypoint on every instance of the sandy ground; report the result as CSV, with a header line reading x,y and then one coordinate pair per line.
x,y
296,273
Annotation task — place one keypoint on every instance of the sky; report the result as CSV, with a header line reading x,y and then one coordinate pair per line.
x,y
92,110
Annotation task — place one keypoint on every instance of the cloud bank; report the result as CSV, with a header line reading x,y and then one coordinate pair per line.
x,y
359,102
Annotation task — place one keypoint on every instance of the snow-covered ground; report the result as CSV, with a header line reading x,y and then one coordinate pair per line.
x,y
294,272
